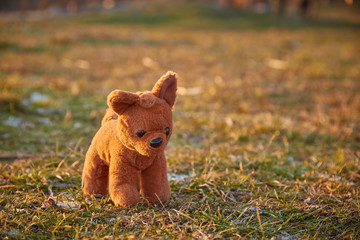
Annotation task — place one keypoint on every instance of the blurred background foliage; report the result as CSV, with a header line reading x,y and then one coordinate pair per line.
x,y
59,59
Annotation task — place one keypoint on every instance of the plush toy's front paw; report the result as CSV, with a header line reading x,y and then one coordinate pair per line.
x,y
97,192
126,197
96,189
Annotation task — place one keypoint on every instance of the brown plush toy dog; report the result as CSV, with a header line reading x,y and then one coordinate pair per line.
x,y
127,154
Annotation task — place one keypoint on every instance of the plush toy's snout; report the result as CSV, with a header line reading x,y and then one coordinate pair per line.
x,y
155,143
127,153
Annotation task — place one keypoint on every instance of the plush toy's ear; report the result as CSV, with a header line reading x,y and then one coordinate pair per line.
x,y
165,88
119,100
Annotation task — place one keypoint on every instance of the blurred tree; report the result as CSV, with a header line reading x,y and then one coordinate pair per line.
x,y
304,7
282,7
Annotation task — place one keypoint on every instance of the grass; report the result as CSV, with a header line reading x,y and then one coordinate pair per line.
x,y
266,136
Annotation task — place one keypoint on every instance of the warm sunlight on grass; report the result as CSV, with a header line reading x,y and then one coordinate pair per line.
x,y
266,137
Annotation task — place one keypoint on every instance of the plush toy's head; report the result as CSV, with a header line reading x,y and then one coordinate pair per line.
x,y
145,118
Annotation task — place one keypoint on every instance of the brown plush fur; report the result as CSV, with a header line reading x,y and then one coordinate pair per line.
x,y
121,162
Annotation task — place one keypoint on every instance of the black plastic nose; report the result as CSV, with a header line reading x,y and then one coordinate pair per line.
x,y
156,142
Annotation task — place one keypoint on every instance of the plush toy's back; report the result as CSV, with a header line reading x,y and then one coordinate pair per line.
x,y
109,115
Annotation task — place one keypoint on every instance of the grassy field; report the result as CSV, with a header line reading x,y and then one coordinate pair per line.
x,y
266,141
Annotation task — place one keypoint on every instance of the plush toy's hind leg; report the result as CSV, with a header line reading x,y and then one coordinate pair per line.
x,y
154,182
95,178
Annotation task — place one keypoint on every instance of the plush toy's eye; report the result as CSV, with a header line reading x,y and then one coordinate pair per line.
x,y
167,131
140,133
